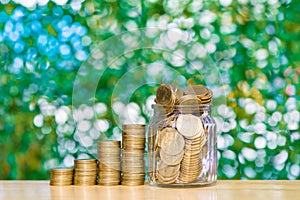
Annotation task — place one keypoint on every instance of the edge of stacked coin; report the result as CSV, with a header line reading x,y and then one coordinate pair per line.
x,y
85,171
109,162
61,176
133,147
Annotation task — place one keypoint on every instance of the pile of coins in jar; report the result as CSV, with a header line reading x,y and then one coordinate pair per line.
x,y
177,138
114,166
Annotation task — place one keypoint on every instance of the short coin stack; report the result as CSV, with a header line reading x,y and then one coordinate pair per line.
x,y
133,146
61,176
109,162
85,172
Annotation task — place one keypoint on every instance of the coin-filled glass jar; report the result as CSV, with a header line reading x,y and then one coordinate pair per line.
x,y
182,146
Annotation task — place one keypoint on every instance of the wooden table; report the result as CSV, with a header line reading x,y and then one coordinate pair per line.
x,y
242,190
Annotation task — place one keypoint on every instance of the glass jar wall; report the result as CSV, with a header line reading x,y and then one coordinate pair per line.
x,y
182,144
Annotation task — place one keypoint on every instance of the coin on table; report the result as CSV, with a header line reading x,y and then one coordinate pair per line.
x,y
130,179
133,176
109,183
132,153
171,141
134,170
109,143
133,126
132,183
85,172
189,125
61,176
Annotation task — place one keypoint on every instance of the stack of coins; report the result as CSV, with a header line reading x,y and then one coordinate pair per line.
x,y
169,96
61,176
85,172
170,145
133,146
191,128
109,162
203,94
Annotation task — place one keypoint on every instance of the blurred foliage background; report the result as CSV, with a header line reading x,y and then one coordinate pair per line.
x,y
246,51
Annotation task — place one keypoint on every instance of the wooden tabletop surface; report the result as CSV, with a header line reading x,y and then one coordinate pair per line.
x,y
241,190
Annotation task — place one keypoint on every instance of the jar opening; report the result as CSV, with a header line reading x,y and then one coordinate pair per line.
x,y
199,106
168,110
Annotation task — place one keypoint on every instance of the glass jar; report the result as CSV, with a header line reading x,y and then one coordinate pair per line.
x,y
182,146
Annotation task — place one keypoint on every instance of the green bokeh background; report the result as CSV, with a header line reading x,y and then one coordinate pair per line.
x,y
251,49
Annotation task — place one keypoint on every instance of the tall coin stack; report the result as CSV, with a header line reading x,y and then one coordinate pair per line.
x,y
61,176
85,172
133,146
109,162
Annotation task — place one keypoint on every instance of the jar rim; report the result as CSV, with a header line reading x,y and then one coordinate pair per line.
x,y
195,106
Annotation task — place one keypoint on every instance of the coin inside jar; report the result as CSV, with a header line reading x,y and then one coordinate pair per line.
x,y
171,159
189,125
171,141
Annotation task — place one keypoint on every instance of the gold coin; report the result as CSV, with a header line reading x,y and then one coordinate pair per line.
x,y
62,170
132,183
168,171
132,154
110,143
189,100
134,170
61,176
129,175
189,125
133,126
171,159
171,141
164,95
166,180
110,183
85,161
168,121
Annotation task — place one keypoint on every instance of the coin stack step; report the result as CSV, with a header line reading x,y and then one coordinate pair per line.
x,y
61,176
109,162
85,172
133,147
